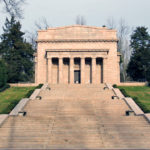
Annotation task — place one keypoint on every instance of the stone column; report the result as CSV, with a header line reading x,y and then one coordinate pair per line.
x,y
60,70
82,70
71,70
93,70
104,70
49,72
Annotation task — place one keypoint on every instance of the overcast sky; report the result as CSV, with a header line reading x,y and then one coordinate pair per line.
x,y
96,12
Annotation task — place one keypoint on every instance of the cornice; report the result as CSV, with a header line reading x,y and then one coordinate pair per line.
x,y
77,50
76,40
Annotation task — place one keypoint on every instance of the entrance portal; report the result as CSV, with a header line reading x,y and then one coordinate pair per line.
x,y
77,76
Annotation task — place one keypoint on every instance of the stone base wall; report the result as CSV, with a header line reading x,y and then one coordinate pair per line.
x,y
132,84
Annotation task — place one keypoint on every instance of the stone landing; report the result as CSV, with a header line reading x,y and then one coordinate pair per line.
x,y
76,117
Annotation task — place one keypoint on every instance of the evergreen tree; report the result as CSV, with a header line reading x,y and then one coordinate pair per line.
x,y
3,75
139,63
16,52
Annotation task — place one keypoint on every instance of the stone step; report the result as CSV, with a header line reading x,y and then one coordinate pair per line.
x,y
75,117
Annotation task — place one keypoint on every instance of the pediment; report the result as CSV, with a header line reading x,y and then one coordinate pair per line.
x,y
77,32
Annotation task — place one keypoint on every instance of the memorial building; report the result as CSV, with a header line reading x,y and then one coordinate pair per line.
x,y
77,54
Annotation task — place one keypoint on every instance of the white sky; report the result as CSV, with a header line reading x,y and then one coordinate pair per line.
x,y
96,12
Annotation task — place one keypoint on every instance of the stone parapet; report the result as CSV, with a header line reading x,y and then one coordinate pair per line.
x,y
23,84
132,84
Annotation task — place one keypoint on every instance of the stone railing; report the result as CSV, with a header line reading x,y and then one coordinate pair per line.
x,y
129,101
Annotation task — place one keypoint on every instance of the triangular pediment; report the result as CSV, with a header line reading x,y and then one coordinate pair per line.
x,y
77,32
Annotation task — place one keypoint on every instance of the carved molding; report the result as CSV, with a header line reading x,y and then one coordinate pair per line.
x,y
76,40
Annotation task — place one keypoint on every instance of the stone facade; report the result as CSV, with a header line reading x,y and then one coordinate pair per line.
x,y
77,54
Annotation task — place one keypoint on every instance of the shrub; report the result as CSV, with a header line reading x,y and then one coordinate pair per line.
x,y
10,107
31,91
39,86
143,107
115,86
148,76
124,93
4,87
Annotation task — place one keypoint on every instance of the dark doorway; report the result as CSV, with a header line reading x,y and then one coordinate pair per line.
x,y
77,76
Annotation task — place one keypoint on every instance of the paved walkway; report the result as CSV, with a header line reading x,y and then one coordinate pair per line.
x,y
83,117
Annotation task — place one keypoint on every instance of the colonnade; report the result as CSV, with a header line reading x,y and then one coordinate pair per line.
x,y
72,69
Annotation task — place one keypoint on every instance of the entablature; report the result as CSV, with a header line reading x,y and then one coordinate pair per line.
x,y
81,53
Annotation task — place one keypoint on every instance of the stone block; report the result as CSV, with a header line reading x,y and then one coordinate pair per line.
x,y
35,94
108,86
19,107
118,93
130,102
44,86
147,116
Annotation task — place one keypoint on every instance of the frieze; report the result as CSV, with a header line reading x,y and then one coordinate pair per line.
x,y
77,50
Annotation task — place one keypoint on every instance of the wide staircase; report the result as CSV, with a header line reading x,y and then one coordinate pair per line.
x,y
75,117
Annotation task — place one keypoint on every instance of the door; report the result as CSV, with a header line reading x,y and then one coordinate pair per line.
x,y
77,76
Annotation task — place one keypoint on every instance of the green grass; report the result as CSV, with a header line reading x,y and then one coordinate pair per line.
x,y
10,97
140,94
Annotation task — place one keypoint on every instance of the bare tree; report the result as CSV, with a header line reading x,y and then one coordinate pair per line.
x,y
80,20
40,24
124,47
111,23
14,7
123,32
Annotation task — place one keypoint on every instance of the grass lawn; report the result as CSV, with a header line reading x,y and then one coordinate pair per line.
x,y
10,97
140,94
